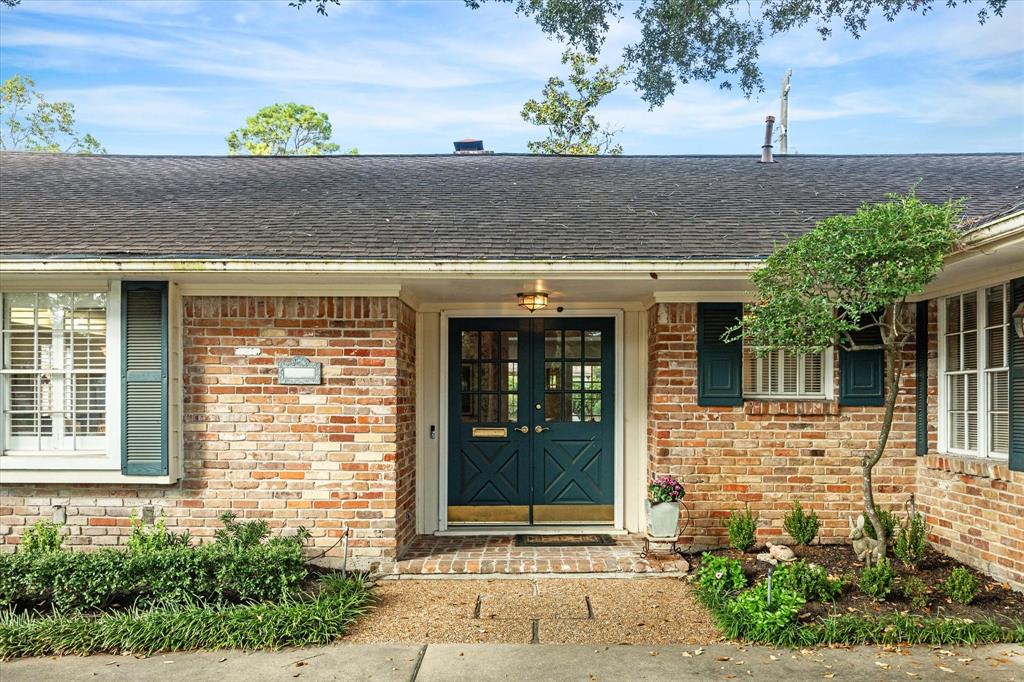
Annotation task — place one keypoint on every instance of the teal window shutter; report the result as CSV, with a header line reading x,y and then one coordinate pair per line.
x,y
862,372
1016,382
719,364
921,372
144,378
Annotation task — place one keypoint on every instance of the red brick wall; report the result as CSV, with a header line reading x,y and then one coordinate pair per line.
x,y
974,507
405,469
767,453
975,513
338,454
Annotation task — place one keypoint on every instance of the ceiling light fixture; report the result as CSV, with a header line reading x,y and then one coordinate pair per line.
x,y
533,300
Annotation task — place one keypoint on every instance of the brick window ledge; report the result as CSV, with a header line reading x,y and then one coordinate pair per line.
x,y
791,407
982,467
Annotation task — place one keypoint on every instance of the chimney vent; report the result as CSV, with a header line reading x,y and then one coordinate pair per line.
x,y
766,148
470,147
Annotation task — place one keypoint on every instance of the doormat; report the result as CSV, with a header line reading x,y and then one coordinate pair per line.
x,y
590,540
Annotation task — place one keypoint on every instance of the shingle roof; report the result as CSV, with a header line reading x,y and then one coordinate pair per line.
x,y
460,207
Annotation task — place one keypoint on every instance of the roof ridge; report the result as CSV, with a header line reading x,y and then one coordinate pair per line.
x,y
507,155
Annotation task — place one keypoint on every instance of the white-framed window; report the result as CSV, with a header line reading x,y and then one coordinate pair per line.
x,y
783,374
60,383
974,392
54,376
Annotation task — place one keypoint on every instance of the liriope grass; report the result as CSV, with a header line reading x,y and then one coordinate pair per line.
x,y
313,621
853,629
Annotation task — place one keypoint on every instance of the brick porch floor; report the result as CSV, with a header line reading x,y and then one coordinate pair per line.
x,y
492,554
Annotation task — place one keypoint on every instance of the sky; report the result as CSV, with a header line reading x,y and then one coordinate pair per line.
x,y
174,77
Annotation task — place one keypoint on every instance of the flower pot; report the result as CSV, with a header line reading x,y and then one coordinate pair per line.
x,y
662,519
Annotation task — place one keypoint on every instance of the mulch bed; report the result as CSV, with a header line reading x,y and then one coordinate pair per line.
x,y
996,600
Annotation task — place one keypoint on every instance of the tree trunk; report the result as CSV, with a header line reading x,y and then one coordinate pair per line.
x,y
893,370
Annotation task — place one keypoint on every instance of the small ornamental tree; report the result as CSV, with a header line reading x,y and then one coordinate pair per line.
x,y
853,273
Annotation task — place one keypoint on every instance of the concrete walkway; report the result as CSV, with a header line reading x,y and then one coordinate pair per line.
x,y
537,663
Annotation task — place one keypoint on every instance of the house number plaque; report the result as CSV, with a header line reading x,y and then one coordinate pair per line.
x,y
298,371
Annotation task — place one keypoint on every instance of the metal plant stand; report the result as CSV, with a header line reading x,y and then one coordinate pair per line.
x,y
668,546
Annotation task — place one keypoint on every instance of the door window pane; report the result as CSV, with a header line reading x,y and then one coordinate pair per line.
x,y
553,376
592,345
510,376
553,343
489,345
510,406
489,376
509,345
470,378
470,407
489,405
552,407
470,341
573,343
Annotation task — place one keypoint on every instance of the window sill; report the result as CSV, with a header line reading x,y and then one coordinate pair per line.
x,y
790,406
968,465
46,476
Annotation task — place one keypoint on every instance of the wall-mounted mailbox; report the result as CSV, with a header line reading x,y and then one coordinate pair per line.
x,y
298,371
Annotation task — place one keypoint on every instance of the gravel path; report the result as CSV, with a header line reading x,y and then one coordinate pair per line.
x,y
545,611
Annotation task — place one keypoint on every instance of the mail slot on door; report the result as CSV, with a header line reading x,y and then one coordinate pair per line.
x,y
493,432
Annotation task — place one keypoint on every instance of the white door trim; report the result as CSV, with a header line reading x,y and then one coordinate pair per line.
x,y
619,440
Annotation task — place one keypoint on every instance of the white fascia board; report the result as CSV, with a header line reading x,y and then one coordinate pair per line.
x,y
740,268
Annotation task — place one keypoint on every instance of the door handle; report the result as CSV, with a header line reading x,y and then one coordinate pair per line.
x,y
523,429
541,429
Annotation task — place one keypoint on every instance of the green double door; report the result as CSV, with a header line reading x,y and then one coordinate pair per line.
x,y
531,421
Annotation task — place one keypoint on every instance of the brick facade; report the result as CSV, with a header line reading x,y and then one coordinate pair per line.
x,y
975,513
343,453
765,454
323,457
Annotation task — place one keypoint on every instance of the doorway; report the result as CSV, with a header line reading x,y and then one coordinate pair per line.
x,y
531,421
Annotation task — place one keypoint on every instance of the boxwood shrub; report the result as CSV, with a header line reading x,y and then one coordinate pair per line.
x,y
243,565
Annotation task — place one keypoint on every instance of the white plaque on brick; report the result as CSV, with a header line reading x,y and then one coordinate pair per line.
x,y
299,371
247,351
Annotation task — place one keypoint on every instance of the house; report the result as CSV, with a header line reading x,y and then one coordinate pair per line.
x,y
338,343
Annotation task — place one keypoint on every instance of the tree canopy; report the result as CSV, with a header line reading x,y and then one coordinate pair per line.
x,y
853,273
816,290
702,40
30,123
568,115
284,130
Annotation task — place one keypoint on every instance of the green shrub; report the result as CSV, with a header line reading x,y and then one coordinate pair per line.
x,y
910,541
145,539
914,591
803,528
292,623
810,581
719,577
159,568
888,520
42,537
876,581
742,529
961,586
753,618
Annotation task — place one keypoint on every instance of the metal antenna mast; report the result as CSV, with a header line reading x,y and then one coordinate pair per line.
x,y
784,114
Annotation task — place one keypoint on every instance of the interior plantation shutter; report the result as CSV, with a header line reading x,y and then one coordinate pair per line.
x,y
921,376
719,364
144,378
1016,382
862,372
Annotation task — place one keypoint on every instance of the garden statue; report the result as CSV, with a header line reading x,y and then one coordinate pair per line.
x,y
868,550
